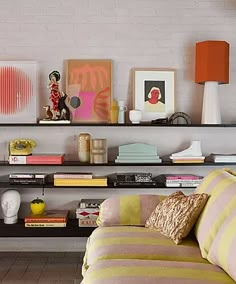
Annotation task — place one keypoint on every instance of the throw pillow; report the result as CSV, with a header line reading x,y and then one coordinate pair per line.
x,y
220,184
223,249
175,216
127,210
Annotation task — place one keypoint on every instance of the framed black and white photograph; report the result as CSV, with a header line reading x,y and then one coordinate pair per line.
x,y
154,92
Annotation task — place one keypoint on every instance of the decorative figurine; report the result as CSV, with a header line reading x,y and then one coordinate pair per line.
x,y
49,114
53,85
64,112
10,203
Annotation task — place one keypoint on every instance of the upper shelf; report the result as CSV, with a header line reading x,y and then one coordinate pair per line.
x,y
143,124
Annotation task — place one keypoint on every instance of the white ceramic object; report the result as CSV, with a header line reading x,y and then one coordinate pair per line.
x,y
211,106
194,150
135,116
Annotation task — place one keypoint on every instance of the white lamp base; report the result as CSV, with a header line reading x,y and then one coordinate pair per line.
x,y
211,107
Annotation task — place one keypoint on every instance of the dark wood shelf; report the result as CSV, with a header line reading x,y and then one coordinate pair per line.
x,y
19,230
143,124
113,164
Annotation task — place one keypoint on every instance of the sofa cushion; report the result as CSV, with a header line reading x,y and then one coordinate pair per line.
x,y
154,271
221,186
127,242
175,216
223,248
127,210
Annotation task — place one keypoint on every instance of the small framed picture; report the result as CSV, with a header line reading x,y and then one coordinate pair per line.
x,y
154,92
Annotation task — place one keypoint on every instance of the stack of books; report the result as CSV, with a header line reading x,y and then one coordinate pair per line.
x,y
138,153
131,180
183,180
222,158
51,159
50,218
78,179
27,178
88,211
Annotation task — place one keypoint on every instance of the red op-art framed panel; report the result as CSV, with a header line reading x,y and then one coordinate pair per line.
x,y
89,88
18,92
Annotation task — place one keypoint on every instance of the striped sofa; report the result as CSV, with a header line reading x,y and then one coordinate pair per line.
x,y
135,254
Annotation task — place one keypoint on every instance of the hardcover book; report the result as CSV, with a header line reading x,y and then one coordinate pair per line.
x,y
72,175
49,216
90,203
46,225
81,182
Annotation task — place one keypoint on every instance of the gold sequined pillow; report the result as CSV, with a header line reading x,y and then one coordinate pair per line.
x,y
175,216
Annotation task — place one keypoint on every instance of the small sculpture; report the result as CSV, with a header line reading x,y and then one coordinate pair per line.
x,y
64,112
194,150
10,203
49,114
53,85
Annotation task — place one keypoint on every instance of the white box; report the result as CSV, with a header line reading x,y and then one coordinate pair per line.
x,y
17,160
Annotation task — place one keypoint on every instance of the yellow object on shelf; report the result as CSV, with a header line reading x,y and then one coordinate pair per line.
x,y
114,112
37,206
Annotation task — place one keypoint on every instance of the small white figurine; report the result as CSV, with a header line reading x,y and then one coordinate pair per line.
x,y
10,203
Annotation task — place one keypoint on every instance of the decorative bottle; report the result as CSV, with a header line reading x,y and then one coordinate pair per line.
x,y
114,112
122,109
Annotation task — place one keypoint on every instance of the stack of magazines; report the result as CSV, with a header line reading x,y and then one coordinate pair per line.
x,y
131,180
182,180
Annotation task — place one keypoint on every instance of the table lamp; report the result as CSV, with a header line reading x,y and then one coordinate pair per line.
x,y
211,69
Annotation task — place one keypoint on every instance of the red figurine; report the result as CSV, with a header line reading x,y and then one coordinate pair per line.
x,y
53,85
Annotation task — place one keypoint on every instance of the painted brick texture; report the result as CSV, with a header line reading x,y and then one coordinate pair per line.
x,y
133,33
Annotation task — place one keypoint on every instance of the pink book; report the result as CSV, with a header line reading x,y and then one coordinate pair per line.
x,y
183,177
45,159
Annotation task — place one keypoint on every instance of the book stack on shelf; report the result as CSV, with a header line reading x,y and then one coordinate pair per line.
x,y
131,180
222,158
138,153
50,218
78,179
27,178
175,180
88,211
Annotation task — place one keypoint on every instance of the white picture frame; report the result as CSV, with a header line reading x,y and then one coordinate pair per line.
x,y
154,92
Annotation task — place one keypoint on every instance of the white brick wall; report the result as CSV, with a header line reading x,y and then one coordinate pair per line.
x,y
134,33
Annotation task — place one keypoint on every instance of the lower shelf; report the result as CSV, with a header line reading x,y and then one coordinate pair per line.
x,y
19,230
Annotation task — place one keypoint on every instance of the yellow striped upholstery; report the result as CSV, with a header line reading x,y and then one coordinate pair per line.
x,y
221,186
128,242
223,248
154,272
127,210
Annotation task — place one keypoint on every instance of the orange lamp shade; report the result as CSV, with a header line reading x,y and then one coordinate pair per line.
x,y
212,62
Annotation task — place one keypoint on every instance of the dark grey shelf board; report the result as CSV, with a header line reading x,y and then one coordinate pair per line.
x,y
113,164
143,124
19,230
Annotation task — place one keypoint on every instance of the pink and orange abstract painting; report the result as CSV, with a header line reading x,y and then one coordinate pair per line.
x,y
89,88
18,92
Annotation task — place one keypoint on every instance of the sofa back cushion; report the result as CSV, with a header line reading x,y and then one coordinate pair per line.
x,y
223,248
220,185
127,210
175,216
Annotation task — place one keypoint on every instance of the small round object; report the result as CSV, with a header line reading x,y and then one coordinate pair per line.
x,y
37,206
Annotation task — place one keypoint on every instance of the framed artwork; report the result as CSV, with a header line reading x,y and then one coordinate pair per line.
x,y
89,88
154,92
18,92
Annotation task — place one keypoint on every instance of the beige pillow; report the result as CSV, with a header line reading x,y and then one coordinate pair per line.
x,y
175,216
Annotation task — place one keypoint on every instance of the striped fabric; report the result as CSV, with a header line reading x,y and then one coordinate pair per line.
x,y
223,248
153,272
221,186
127,242
127,210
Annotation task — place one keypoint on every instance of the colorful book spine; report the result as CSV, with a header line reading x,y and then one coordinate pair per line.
x,y
45,225
87,222
81,182
72,175
44,220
